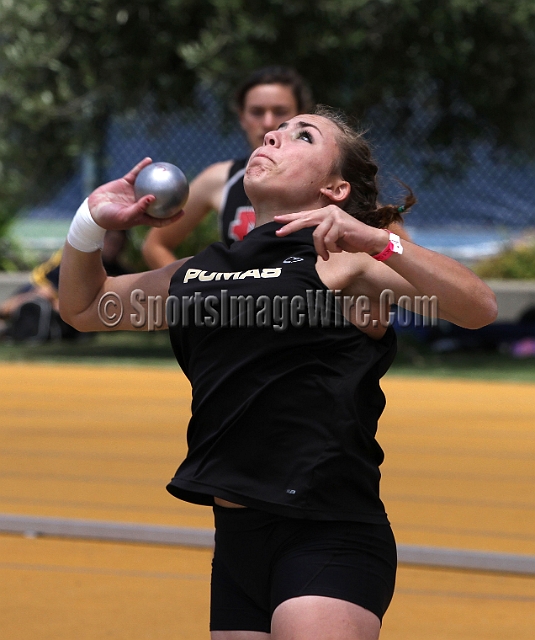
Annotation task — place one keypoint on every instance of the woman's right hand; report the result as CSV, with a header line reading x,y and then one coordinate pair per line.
x,y
113,205
335,231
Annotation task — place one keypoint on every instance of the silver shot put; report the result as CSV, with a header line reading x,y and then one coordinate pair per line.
x,y
167,183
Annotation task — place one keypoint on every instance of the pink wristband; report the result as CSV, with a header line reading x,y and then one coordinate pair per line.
x,y
393,246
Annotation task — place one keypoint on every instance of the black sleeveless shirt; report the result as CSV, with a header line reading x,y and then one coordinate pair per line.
x,y
237,216
285,400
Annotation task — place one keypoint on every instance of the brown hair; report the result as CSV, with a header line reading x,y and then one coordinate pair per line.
x,y
357,166
277,75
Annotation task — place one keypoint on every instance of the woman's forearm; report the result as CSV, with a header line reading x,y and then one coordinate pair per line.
x,y
463,298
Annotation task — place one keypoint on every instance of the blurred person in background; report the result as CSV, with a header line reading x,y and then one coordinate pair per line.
x,y
31,314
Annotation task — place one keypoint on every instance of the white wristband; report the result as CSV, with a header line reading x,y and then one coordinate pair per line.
x,y
84,233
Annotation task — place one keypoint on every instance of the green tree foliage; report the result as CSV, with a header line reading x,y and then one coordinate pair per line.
x,y
66,65
478,56
512,263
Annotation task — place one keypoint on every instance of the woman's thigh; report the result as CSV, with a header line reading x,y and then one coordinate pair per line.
x,y
321,618
351,563
311,618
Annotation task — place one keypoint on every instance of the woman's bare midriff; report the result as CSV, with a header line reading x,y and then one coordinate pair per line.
x,y
225,503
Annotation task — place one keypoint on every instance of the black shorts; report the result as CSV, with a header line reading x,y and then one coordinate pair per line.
x,y
261,560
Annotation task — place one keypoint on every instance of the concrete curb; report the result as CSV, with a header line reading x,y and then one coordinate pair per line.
x,y
514,298
10,282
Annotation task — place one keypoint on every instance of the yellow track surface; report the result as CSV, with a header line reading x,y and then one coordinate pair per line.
x,y
100,443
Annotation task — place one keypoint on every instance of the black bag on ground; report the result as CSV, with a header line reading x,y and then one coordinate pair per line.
x,y
36,322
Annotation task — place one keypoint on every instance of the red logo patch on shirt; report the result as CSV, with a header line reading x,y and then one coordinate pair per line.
x,y
243,222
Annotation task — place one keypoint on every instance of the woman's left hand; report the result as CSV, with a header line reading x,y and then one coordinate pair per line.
x,y
336,231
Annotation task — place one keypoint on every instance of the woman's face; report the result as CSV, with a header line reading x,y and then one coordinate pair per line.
x,y
265,107
293,170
